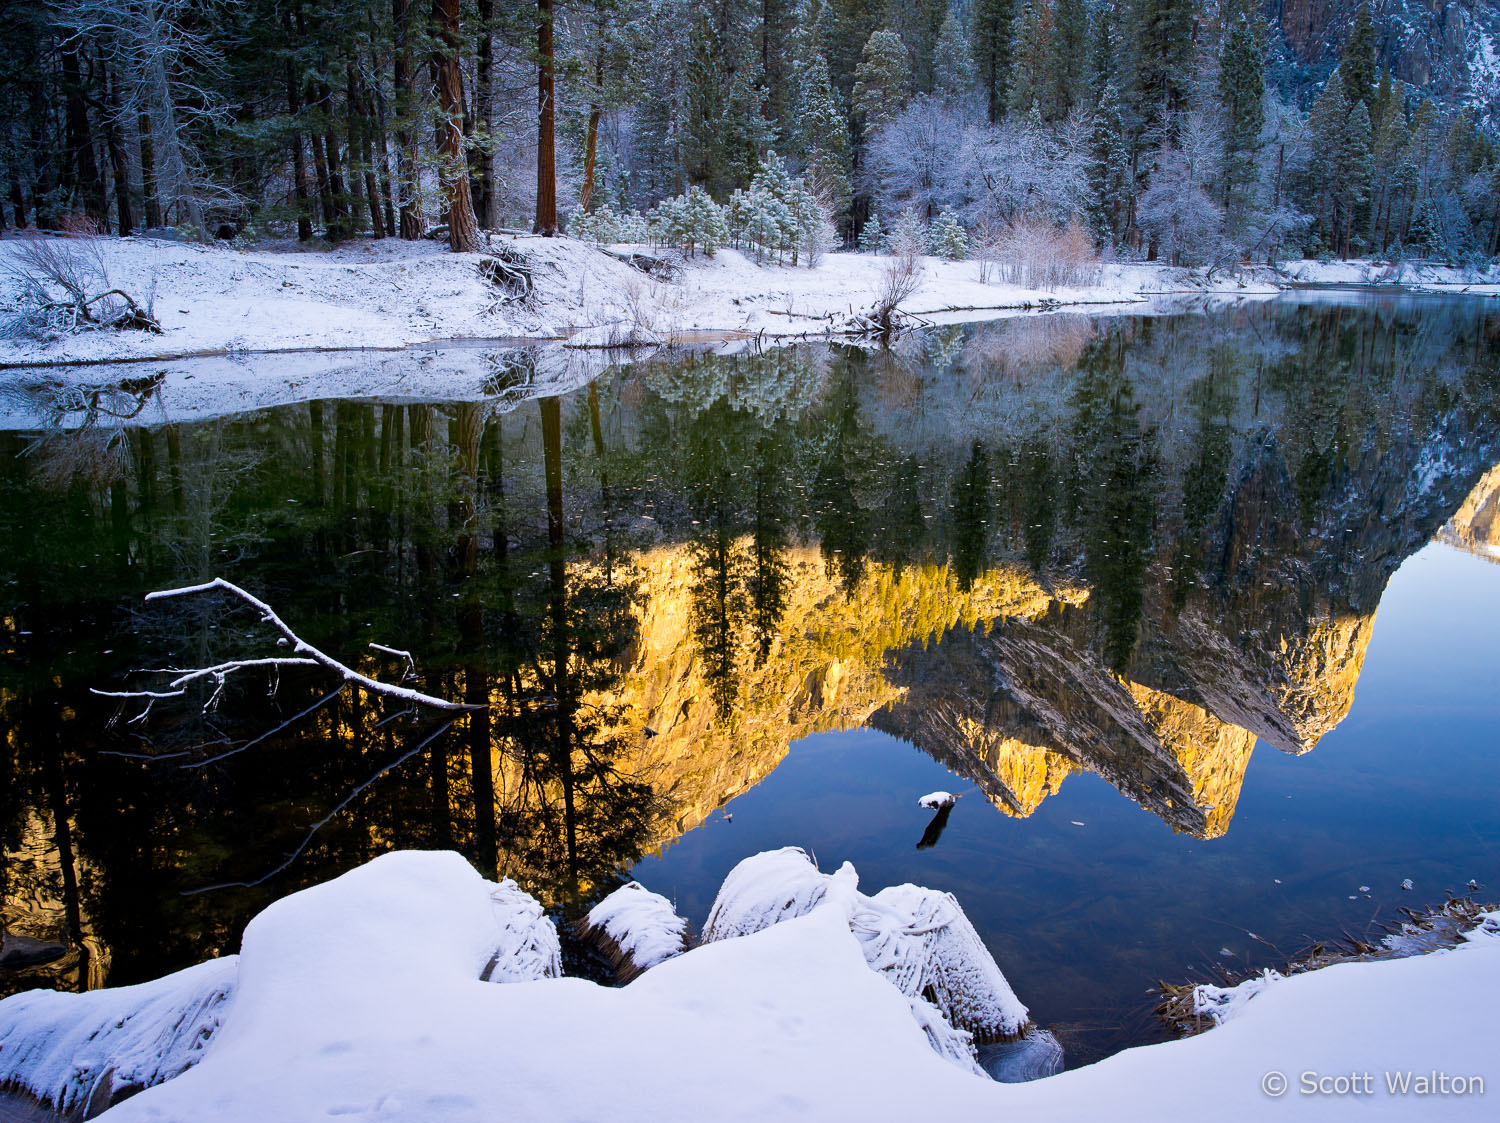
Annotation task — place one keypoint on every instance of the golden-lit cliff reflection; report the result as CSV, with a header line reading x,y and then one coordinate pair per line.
x,y
1475,526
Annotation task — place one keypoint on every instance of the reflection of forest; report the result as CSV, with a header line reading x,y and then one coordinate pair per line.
x,y
1132,547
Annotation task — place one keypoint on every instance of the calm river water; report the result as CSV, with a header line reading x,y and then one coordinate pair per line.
x,y
1198,613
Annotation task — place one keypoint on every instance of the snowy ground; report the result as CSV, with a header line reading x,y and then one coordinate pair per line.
x,y
391,293
362,998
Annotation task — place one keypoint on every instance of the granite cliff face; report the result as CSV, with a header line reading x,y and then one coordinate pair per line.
x,y
1443,46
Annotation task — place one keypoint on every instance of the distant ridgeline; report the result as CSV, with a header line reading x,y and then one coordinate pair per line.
x,y
1193,132
1131,546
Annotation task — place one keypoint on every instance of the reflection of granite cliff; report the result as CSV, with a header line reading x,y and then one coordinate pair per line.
x,y
1475,526
825,671
1022,706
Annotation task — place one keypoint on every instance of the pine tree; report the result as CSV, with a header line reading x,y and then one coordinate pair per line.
x,y
990,42
871,238
1070,52
954,73
1031,60
948,237
882,80
724,129
1242,94
824,133
1357,67
1109,169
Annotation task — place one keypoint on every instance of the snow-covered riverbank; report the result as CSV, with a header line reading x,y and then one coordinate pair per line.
x,y
366,998
211,299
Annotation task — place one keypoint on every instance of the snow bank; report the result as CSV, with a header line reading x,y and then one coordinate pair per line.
x,y
918,939
388,293
360,999
640,929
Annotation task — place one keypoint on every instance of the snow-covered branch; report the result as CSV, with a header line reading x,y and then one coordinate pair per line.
x,y
304,653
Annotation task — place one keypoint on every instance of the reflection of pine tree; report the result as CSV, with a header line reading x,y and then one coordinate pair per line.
x,y
902,530
1211,399
843,527
719,601
770,572
971,517
1117,463
1039,499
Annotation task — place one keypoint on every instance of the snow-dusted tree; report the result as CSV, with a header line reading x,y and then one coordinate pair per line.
x,y
908,236
871,238
1111,184
1242,95
696,222
948,237
167,72
1177,214
1024,167
914,160
882,81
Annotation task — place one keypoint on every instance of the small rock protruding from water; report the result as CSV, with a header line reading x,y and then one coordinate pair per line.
x,y
17,952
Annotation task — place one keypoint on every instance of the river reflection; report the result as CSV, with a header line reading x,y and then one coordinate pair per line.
x,y
1126,546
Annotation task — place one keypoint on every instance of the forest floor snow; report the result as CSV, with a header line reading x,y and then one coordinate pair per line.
x,y
361,998
390,293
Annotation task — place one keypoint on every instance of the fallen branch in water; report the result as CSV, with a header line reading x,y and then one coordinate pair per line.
x,y
304,654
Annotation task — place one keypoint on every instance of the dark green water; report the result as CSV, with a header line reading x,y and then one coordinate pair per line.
x,y
1103,576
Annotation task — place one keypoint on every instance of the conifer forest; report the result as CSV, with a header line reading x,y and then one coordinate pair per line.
x,y
1182,131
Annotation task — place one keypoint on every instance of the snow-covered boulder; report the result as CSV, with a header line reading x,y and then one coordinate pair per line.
x,y
918,939
79,1053
935,801
527,947
635,929
380,934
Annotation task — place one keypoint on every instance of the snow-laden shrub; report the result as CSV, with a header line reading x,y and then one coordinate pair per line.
x,y
61,285
1036,253
690,222
949,239
908,236
780,216
600,226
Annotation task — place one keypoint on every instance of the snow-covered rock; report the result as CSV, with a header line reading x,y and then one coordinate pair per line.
x,y
360,999
638,929
918,939
82,1052
935,800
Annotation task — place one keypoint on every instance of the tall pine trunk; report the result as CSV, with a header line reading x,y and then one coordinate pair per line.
x,y
484,115
150,198
463,230
413,226
546,125
83,167
300,186
591,141
118,164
